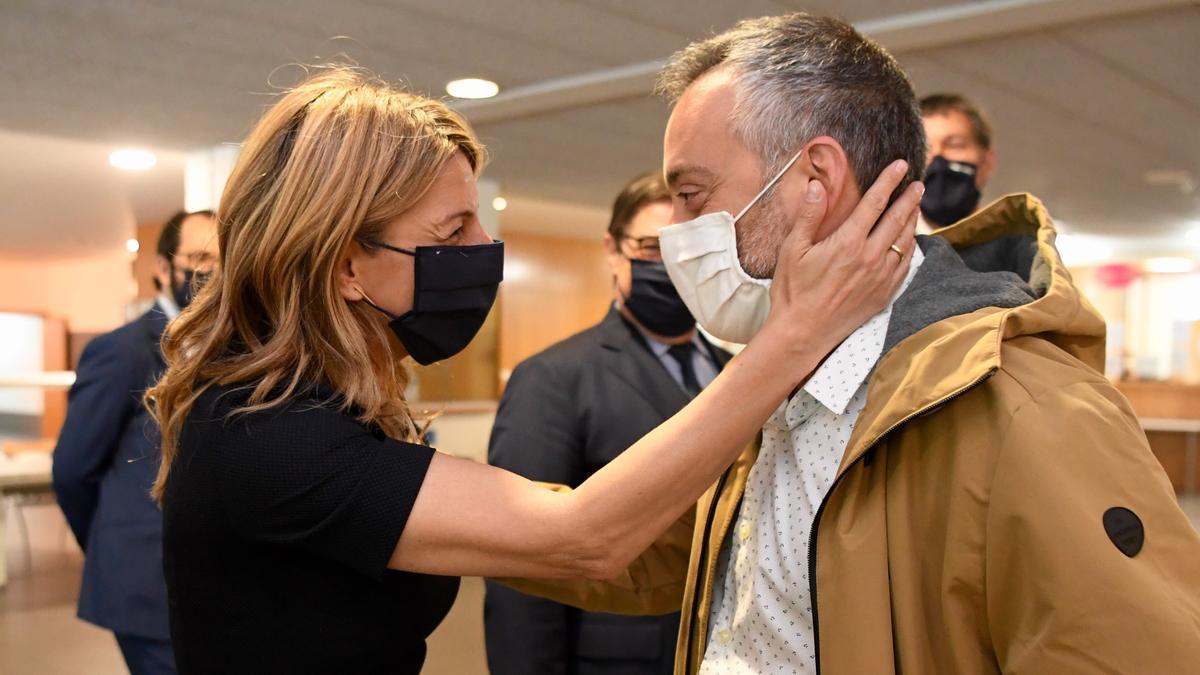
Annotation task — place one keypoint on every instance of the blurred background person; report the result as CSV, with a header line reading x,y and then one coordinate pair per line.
x,y
960,160
107,457
574,407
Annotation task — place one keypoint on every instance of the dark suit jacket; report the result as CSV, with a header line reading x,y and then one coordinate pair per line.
x,y
566,413
104,465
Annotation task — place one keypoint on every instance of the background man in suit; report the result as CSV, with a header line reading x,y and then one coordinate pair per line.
x,y
107,457
573,408
960,161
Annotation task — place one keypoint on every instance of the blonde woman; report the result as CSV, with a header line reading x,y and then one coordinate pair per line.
x,y
306,529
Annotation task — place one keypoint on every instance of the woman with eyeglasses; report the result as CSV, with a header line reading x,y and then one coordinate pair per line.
x,y
306,527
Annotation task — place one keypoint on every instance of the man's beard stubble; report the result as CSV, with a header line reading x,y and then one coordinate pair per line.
x,y
760,233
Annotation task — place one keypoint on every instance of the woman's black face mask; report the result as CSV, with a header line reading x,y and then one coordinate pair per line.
x,y
454,289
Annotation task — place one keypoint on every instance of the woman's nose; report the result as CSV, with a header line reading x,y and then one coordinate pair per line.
x,y
477,235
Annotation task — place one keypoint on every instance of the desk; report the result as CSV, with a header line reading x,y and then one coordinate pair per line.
x,y
1191,431
27,473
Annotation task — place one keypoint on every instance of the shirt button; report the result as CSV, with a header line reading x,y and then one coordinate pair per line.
x,y
725,636
744,531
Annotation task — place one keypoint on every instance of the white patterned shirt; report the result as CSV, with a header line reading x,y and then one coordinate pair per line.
x,y
761,620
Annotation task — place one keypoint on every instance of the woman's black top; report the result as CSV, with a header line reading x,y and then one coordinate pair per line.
x,y
277,530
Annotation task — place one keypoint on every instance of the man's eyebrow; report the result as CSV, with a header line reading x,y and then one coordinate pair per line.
x,y
693,169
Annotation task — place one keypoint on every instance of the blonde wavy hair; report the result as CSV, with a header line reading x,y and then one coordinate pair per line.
x,y
333,161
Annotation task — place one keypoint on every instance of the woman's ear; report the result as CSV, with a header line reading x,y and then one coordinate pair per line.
x,y
346,279
825,161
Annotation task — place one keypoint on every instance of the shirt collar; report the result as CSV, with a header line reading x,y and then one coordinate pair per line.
x,y
660,349
168,306
838,378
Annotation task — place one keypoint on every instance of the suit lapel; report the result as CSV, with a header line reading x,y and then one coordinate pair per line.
x,y
630,359
155,323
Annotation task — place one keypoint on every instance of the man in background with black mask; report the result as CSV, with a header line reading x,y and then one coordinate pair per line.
x,y
590,397
960,160
108,454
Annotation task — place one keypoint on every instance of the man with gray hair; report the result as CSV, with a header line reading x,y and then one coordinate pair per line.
x,y
957,489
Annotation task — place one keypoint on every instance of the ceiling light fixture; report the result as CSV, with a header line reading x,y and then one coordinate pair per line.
x,y
133,159
1170,265
499,203
472,87
133,245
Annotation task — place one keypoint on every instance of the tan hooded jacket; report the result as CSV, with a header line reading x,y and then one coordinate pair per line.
x,y
997,509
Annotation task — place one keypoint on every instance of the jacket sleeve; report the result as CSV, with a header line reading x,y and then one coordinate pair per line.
x,y
652,584
536,435
99,406
1061,595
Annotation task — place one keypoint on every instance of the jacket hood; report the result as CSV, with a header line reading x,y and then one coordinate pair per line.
x,y
993,277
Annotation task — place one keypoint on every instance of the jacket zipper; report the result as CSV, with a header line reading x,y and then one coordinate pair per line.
x,y
812,535
698,591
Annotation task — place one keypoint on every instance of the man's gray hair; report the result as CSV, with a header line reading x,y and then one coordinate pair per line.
x,y
799,76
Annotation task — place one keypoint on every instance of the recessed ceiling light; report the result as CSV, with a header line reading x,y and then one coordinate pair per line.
x,y
472,87
132,245
1170,265
499,203
132,159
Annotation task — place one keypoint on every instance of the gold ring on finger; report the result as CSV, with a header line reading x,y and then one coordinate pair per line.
x,y
898,251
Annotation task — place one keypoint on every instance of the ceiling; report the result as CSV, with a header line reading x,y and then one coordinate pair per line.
x,y
1081,111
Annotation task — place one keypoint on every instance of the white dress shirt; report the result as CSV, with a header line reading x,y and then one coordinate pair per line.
x,y
761,620
702,360
167,304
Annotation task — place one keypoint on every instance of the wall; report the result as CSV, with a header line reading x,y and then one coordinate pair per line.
x,y
90,292
553,287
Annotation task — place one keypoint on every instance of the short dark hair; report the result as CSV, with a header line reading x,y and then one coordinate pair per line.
x,y
800,76
940,104
639,192
168,239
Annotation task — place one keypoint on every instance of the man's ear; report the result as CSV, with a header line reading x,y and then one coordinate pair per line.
x,y
346,278
162,272
612,251
825,161
986,169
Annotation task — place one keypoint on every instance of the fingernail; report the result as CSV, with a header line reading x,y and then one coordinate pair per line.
x,y
900,166
920,189
814,191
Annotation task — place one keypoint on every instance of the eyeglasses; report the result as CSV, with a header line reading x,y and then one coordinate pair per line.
x,y
645,248
196,259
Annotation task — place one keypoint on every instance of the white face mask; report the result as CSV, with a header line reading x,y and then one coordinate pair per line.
x,y
702,259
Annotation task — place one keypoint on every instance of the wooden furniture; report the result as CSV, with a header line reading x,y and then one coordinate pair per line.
x,y
1170,414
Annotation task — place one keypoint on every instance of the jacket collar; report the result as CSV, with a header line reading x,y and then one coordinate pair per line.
x,y
638,366
1001,278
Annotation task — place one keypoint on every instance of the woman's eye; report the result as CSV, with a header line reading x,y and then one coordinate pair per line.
x,y
685,196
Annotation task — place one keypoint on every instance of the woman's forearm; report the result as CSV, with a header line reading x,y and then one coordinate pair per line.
x,y
629,502
473,519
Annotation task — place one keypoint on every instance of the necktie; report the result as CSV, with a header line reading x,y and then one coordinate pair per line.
x,y
683,356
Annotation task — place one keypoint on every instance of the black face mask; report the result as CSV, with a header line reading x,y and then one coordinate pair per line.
x,y
655,303
453,291
950,191
193,281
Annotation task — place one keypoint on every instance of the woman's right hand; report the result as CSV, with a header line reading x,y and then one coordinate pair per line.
x,y
824,290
